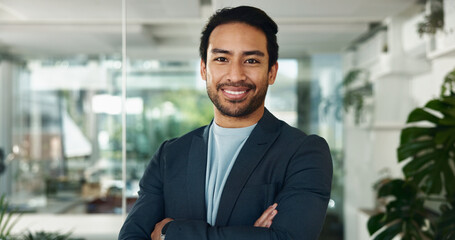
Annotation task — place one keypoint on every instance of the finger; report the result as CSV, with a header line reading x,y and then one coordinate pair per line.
x,y
267,216
158,227
268,221
263,218
271,217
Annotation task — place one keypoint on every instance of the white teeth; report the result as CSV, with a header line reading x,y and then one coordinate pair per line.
x,y
235,92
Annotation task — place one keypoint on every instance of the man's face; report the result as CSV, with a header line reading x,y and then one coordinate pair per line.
x,y
237,72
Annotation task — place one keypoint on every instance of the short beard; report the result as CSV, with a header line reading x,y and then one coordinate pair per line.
x,y
236,111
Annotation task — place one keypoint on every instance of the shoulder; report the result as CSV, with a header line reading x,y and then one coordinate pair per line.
x,y
308,152
306,141
185,140
291,132
288,136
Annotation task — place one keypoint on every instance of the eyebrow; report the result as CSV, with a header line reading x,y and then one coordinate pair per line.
x,y
246,53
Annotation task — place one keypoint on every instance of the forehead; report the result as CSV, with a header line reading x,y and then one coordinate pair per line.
x,y
238,36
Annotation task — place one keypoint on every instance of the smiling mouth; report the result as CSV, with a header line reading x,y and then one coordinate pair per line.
x,y
234,95
235,92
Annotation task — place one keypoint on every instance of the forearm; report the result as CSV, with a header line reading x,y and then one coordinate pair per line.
x,y
264,221
302,203
149,207
200,230
297,221
144,215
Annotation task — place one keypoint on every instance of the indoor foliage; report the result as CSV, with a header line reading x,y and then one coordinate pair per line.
x,y
427,147
42,235
350,94
7,219
434,20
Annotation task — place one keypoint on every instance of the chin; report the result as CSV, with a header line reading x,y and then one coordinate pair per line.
x,y
238,112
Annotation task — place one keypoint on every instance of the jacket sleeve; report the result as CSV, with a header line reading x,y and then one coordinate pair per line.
x,y
302,202
149,207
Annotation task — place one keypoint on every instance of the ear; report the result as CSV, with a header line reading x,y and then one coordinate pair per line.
x,y
203,71
272,73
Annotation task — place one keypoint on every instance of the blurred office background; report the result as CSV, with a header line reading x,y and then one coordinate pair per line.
x,y
61,87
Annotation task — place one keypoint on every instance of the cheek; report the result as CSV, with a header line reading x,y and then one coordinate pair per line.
x,y
256,72
210,80
259,78
214,74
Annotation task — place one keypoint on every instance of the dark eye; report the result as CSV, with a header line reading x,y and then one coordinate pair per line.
x,y
221,59
252,61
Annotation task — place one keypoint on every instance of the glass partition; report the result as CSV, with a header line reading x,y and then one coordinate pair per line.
x,y
64,156
165,99
60,88
61,98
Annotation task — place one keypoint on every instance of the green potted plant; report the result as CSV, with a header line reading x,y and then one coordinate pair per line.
x,y
350,94
427,147
7,219
434,21
42,235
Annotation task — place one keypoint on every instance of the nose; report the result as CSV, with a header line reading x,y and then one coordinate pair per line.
x,y
236,72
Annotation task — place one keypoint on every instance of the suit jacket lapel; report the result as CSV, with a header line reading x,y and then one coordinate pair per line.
x,y
197,165
261,138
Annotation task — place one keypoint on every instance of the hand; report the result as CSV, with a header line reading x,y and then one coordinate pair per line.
x,y
265,220
156,234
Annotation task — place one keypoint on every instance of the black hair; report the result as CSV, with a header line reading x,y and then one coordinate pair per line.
x,y
243,14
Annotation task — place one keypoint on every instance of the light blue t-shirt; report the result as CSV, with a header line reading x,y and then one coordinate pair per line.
x,y
223,148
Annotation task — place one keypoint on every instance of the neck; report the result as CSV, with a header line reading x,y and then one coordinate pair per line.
x,y
238,122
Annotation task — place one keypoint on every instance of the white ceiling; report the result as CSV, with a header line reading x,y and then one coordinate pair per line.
x,y
170,29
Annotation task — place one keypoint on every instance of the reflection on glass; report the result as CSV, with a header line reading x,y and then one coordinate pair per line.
x,y
173,101
68,129
67,124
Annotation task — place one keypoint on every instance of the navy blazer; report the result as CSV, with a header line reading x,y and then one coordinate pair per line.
x,y
278,163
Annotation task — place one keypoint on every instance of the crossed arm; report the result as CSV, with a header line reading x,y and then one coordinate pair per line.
x,y
265,221
302,203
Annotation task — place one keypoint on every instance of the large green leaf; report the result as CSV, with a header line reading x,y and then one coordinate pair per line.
x,y
422,175
429,157
404,213
433,184
412,134
444,105
437,105
447,122
412,167
419,114
390,232
448,112
427,150
411,231
443,136
449,178
445,226
375,223
412,149
448,100
398,188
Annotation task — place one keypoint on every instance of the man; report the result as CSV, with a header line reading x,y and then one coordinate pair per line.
x,y
247,175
